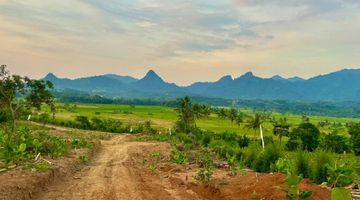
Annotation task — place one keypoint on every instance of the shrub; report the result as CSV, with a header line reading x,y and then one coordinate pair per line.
x,y
83,122
340,175
250,155
243,141
302,164
322,163
354,131
335,143
267,158
283,165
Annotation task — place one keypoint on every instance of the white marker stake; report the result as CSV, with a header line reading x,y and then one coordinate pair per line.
x,y
262,138
29,117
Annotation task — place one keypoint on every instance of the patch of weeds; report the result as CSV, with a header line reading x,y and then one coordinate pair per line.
x,y
178,157
84,159
204,174
39,166
153,168
156,154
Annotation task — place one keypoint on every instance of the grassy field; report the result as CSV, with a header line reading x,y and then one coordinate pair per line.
x,y
165,117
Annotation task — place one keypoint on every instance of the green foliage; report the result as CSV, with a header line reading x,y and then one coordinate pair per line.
x,y
267,158
283,165
25,144
186,116
340,175
204,174
302,164
293,192
281,128
308,134
354,131
251,154
335,143
178,157
204,158
39,166
321,168
294,142
21,93
340,194
83,122
84,159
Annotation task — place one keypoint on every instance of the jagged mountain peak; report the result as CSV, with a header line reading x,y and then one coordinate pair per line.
x,y
152,75
248,75
50,76
225,78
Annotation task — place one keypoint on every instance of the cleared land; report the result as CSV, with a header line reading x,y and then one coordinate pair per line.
x,y
123,168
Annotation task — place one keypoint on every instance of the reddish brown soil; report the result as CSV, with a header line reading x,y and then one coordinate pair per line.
x,y
124,169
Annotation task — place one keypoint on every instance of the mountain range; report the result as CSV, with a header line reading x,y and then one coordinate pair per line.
x,y
343,85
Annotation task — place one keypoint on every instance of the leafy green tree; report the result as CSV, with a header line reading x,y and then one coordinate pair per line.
x,y
335,142
186,116
309,135
18,93
281,128
354,131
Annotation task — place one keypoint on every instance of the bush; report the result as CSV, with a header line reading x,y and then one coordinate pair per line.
x,y
243,141
340,175
321,166
251,154
267,158
335,143
302,164
83,122
354,131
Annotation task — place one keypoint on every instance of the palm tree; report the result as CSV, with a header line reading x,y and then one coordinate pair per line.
x,y
281,128
255,124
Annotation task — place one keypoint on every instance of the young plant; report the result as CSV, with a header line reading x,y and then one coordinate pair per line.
x,y
293,191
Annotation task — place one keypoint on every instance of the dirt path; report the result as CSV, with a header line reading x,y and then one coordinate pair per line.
x,y
106,178
111,175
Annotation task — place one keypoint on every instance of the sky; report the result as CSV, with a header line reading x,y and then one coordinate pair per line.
x,y
184,41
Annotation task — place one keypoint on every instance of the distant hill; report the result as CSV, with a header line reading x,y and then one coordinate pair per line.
x,y
343,85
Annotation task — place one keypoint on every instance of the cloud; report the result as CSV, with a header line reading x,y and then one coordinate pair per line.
x,y
172,34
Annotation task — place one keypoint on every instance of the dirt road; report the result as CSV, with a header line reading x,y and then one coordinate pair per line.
x,y
110,176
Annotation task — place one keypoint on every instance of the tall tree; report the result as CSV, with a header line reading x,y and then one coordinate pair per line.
x,y
186,116
18,93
